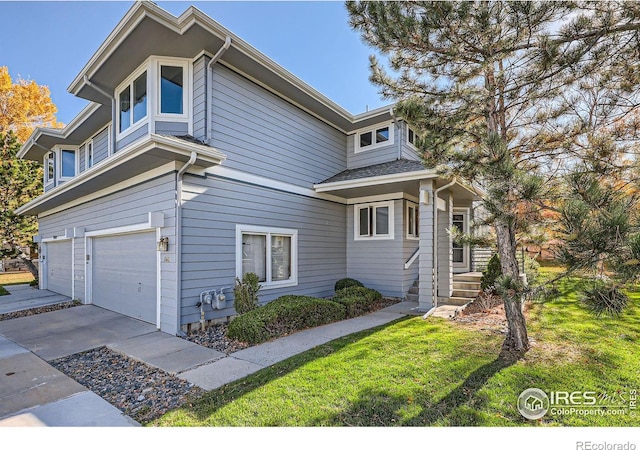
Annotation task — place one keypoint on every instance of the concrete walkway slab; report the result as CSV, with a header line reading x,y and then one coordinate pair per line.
x,y
27,381
85,409
169,353
23,296
10,348
219,373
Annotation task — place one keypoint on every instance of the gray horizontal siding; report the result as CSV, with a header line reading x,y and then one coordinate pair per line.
x,y
214,207
408,152
264,135
128,207
101,146
172,128
82,159
79,260
132,137
378,155
378,264
199,97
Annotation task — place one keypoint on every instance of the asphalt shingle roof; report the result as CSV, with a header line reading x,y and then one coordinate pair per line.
x,y
376,170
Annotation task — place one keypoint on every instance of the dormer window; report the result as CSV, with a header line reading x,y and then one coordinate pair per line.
x,y
374,137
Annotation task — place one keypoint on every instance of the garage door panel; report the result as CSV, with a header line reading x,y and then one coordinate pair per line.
x,y
124,274
58,266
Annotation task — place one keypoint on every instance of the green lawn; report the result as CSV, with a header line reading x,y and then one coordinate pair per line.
x,y
15,278
435,372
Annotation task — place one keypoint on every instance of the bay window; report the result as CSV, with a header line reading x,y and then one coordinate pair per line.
x,y
270,253
132,103
67,163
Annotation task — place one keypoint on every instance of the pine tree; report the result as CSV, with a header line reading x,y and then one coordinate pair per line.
x,y
481,81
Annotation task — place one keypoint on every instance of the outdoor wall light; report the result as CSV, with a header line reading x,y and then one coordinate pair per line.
x,y
163,244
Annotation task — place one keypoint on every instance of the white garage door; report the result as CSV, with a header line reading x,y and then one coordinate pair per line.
x,y
58,266
123,276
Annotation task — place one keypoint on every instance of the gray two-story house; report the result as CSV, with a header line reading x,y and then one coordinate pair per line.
x,y
199,159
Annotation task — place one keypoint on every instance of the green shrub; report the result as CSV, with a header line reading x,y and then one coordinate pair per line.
x,y
283,316
532,269
246,293
489,275
357,300
345,283
34,283
604,299
3,291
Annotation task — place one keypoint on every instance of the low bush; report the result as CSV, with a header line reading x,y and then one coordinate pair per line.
x,y
245,293
283,316
489,275
3,291
345,283
357,300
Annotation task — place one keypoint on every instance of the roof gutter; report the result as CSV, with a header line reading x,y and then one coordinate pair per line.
x,y
114,113
216,57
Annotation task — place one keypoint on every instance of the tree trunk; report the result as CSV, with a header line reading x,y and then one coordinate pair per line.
x,y
516,339
31,267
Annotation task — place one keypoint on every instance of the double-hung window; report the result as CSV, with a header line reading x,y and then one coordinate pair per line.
x,y
373,221
270,253
132,103
374,137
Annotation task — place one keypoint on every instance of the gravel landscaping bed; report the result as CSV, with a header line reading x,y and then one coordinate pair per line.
x,y
38,310
138,390
215,337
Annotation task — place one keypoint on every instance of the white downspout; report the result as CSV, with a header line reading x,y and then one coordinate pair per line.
x,y
114,113
216,57
179,176
435,239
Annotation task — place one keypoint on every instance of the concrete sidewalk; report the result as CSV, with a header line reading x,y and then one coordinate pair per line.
x,y
33,393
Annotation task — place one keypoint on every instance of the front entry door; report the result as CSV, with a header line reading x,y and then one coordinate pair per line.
x,y
460,251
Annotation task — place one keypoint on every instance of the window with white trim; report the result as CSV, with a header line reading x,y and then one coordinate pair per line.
x,y
67,163
373,221
270,253
88,155
374,137
411,137
49,168
413,221
132,102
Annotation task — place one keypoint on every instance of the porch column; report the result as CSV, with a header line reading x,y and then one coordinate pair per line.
x,y
444,244
425,260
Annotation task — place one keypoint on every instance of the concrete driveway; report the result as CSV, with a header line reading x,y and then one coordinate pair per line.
x,y
24,296
34,393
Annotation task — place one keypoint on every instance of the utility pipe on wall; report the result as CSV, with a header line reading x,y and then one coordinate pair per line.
x,y
114,112
435,239
179,176
209,78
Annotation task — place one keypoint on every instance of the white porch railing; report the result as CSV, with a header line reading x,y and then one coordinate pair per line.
x,y
413,258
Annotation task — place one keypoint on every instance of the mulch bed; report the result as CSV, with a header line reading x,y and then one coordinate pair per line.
x,y
38,310
485,313
142,392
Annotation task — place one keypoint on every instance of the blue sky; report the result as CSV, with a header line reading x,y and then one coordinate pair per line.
x,y
50,42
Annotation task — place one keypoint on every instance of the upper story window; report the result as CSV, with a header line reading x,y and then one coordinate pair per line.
x,y
413,221
49,168
132,102
411,137
374,137
171,90
373,221
67,163
89,154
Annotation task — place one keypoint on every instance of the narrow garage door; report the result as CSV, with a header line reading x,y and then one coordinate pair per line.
x,y
124,274
58,266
